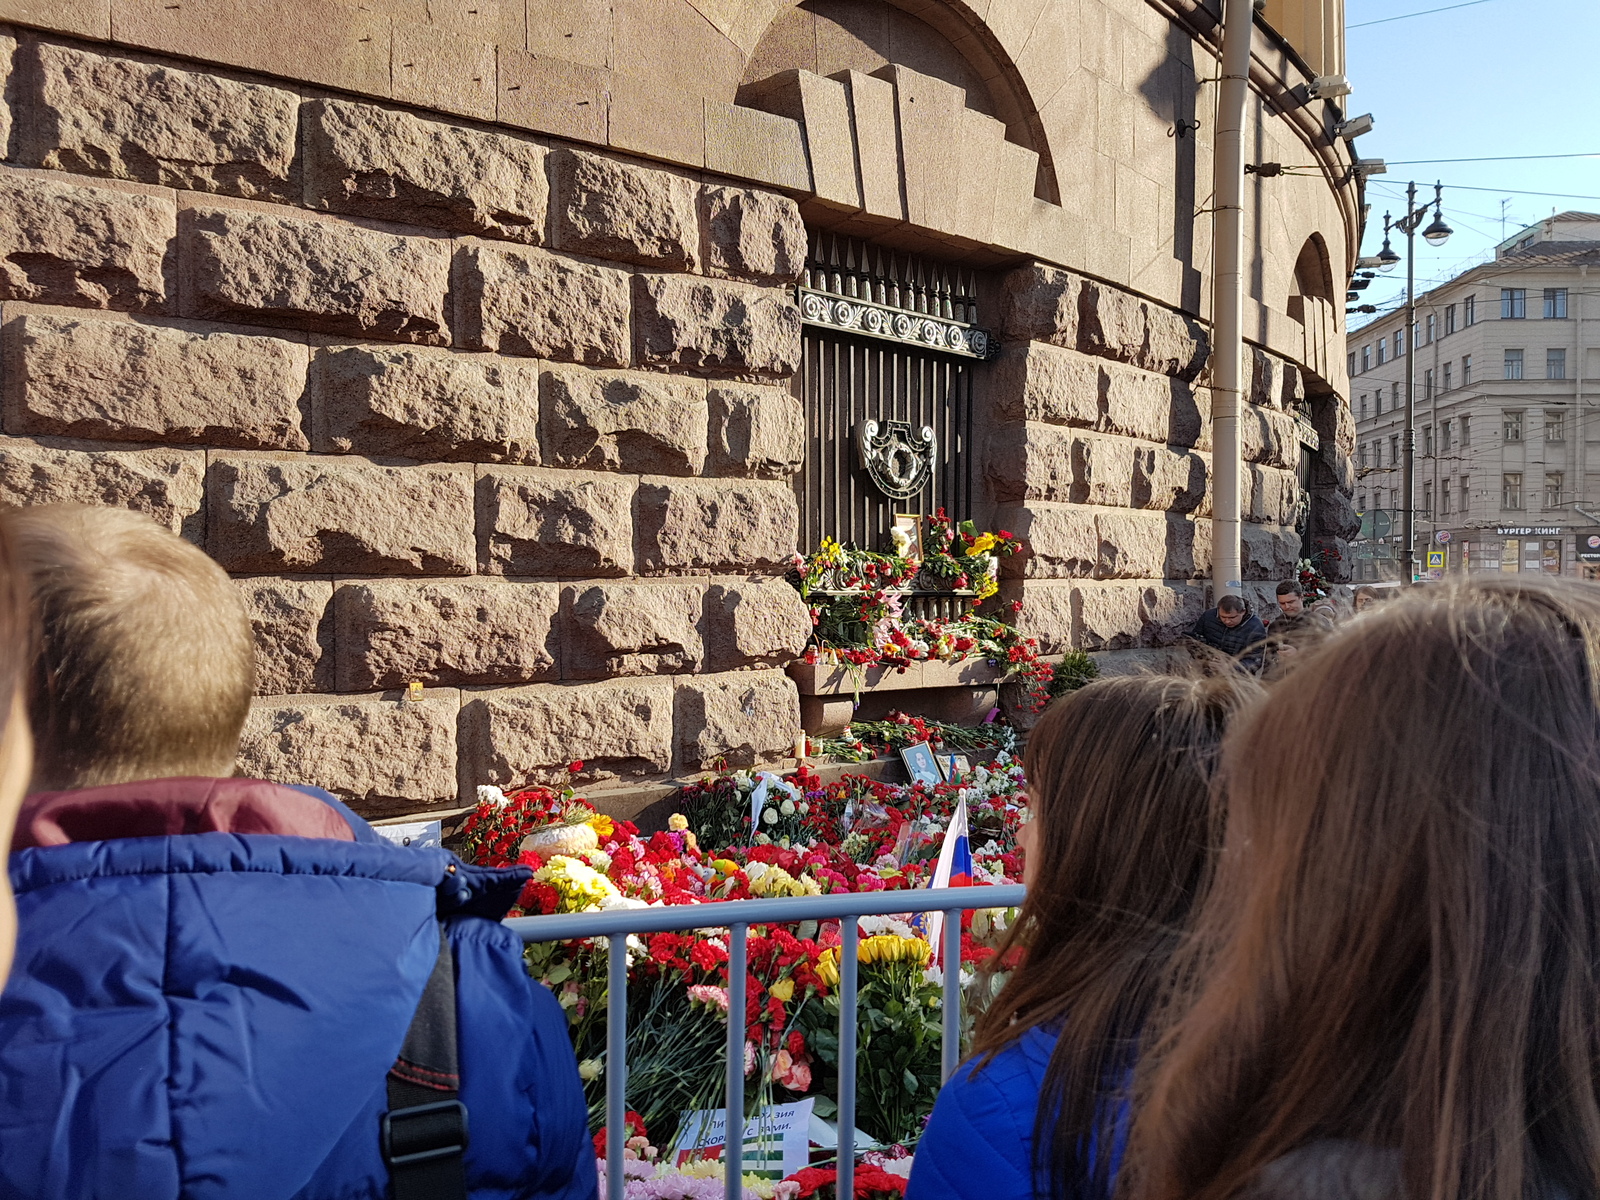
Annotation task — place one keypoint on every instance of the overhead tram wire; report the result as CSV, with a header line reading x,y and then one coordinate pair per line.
x,y
1422,13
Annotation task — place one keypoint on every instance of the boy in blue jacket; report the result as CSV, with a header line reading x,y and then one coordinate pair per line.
x,y
217,981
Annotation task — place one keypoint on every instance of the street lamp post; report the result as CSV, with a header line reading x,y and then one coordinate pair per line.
x,y
1435,234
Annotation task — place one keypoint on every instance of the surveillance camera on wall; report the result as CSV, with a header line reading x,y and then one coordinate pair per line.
x,y
1328,87
1355,127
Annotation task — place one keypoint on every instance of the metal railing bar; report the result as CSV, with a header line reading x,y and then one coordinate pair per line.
x,y
845,1144
733,1128
616,1062
950,1042
676,918
737,916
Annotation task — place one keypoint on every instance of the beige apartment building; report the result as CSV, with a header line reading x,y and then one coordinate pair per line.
x,y
1507,440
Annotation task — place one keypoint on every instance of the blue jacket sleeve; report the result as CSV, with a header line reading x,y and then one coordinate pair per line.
x,y
978,1143
528,1121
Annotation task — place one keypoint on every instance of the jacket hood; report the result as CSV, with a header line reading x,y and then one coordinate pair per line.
x,y
174,1001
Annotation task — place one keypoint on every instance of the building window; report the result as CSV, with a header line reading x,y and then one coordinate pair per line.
x,y
1361,502
1449,319
1555,304
1394,450
1352,362
1466,431
1555,363
1513,304
1469,311
1383,351
1361,456
1513,365
1399,342
1511,490
1446,428
1427,498
1394,396
1377,498
1366,358
1444,498
1555,426
1427,384
1466,496
1431,329
1363,406
1427,441
1447,367
1466,370
1511,425
1552,489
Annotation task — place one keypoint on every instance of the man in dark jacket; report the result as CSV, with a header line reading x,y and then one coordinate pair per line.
x,y
1229,628
215,977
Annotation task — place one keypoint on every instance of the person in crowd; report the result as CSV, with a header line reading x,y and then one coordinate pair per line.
x,y
1118,851
224,986
1231,629
16,742
1394,987
1291,607
1364,598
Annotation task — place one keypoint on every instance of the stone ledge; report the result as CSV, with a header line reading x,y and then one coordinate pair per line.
x,y
821,679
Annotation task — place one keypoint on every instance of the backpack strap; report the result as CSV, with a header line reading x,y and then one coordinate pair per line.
x,y
424,1133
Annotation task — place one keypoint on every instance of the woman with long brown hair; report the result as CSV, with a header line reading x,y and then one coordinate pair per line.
x,y
1394,987
1120,846
16,746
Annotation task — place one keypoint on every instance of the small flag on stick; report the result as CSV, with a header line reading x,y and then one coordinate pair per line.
x,y
954,868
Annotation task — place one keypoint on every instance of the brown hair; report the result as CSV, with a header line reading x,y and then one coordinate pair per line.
x,y
146,663
1403,948
1120,779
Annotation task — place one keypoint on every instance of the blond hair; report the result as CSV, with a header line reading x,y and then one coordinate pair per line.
x,y
146,663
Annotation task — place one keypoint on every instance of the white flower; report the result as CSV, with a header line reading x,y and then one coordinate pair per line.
x,y
770,816
492,794
805,808
787,808
590,1068
873,926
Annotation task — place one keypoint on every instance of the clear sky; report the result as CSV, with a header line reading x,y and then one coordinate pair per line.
x,y
1500,77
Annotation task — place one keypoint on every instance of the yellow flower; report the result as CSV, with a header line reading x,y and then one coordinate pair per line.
x,y
580,887
602,825
725,865
677,822
783,990
983,542
880,948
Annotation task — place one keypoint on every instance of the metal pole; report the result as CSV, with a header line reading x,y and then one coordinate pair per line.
x,y
616,1061
1227,298
950,1045
850,930
1408,475
733,1127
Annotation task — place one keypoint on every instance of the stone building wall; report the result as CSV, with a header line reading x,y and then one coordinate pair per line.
x,y
463,337
482,411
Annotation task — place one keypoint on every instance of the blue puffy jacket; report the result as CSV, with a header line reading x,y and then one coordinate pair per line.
x,y
979,1142
213,1014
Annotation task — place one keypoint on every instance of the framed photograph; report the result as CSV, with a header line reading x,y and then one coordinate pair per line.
x,y
906,534
954,766
921,764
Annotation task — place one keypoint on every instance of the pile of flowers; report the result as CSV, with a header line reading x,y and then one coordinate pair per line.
x,y
807,837
857,605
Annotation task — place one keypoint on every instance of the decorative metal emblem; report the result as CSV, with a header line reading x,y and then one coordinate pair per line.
x,y
898,459
895,325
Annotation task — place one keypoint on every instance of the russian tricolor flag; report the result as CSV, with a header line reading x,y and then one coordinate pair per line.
x,y
954,868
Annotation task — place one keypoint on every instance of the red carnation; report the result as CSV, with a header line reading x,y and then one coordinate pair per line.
x,y
575,766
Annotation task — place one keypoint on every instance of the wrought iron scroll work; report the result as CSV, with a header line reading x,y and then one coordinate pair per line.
x,y
895,325
898,459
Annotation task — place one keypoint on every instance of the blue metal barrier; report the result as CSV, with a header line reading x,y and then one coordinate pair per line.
x,y
737,916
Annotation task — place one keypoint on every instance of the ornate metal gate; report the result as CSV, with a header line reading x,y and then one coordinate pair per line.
x,y
890,349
